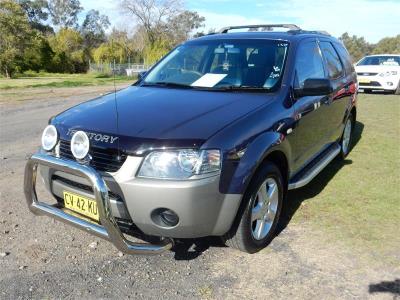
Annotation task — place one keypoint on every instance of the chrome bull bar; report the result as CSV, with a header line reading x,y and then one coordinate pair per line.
x,y
108,229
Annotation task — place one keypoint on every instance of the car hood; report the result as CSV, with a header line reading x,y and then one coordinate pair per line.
x,y
145,117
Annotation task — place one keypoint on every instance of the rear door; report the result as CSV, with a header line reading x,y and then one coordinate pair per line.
x,y
309,135
339,100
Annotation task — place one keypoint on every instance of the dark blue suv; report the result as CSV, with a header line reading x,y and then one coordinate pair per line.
x,y
206,143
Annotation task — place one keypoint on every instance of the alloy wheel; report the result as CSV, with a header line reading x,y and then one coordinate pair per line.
x,y
346,137
264,209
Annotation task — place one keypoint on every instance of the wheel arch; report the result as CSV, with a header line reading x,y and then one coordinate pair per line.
x,y
280,160
354,114
270,146
276,156
350,111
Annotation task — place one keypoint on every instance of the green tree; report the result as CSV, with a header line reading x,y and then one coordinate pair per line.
x,y
180,27
38,13
154,52
36,10
358,47
93,29
103,54
119,47
15,36
64,13
389,45
39,55
162,23
69,55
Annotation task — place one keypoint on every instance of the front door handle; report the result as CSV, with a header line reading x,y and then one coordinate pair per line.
x,y
285,126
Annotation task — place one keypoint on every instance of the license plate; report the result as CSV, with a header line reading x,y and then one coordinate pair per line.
x,y
364,81
81,205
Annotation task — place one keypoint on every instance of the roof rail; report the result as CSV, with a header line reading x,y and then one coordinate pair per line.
x,y
263,27
323,32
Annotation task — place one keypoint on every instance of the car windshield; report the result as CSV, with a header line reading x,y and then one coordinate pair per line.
x,y
222,64
380,61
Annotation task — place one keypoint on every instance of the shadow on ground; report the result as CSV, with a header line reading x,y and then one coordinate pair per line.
x,y
391,287
316,186
191,249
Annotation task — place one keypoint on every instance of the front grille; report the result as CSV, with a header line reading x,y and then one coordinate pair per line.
x,y
367,74
105,160
83,187
372,83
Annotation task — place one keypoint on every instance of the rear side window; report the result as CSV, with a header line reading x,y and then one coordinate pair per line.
x,y
345,57
308,63
334,66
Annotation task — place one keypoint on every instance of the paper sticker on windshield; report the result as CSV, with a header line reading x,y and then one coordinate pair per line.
x,y
209,80
390,62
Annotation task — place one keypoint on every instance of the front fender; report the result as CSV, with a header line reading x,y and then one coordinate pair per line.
x,y
256,151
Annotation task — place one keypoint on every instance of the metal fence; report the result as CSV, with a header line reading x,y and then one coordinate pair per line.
x,y
127,69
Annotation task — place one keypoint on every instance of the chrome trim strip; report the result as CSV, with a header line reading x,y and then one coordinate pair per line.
x,y
109,229
316,170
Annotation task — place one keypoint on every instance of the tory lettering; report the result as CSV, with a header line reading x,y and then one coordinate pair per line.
x,y
98,137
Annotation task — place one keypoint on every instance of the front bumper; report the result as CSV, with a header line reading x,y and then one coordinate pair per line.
x,y
108,229
201,208
377,82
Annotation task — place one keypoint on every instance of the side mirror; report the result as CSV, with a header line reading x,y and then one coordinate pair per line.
x,y
315,87
141,75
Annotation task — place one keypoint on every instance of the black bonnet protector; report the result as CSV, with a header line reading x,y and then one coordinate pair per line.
x,y
138,119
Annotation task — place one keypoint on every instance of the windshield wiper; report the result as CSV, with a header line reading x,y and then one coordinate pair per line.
x,y
222,88
242,88
168,84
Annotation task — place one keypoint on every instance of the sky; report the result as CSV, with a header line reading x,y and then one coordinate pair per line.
x,y
372,19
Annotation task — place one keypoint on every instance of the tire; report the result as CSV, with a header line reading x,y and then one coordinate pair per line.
x,y
347,137
250,236
397,91
367,91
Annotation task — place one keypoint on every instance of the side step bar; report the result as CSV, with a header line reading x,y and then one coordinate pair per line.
x,y
314,168
109,229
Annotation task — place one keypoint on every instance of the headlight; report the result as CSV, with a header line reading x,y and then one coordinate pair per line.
x,y
385,74
394,72
80,145
180,164
49,138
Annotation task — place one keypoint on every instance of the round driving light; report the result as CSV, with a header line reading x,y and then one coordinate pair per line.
x,y
80,145
49,138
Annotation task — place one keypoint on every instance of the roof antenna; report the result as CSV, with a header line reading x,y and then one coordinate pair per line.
x,y
115,99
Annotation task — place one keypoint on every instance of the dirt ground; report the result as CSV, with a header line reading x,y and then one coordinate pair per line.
x,y
43,259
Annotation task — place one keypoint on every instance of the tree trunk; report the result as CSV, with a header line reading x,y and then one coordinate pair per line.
x,y
7,73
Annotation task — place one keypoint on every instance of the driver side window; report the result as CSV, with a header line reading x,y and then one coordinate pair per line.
x,y
308,63
183,67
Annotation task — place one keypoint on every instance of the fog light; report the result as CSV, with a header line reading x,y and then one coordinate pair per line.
x,y
389,83
164,217
169,217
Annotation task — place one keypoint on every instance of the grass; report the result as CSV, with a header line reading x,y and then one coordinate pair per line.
x,y
44,80
358,201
